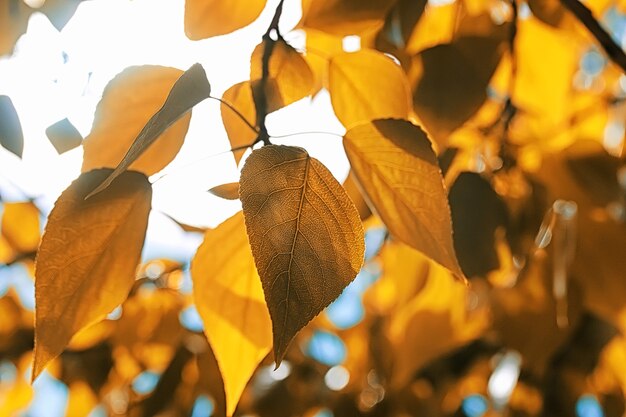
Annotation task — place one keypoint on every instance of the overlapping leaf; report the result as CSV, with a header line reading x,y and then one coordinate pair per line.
x,y
129,101
305,234
190,89
398,170
208,18
345,17
20,226
87,258
229,298
240,133
453,82
367,85
290,78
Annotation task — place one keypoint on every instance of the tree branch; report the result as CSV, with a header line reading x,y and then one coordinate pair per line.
x,y
585,16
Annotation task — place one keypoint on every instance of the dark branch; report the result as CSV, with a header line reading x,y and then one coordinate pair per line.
x,y
585,16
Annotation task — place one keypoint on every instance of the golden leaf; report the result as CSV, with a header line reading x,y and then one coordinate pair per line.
x,y
367,85
87,258
453,82
208,18
320,47
190,89
436,321
129,101
240,133
229,298
20,226
345,17
290,78
305,233
398,170
228,191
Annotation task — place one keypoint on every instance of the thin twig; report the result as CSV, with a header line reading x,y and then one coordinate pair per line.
x,y
585,16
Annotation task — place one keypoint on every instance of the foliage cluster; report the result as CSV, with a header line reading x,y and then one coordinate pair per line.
x,y
479,157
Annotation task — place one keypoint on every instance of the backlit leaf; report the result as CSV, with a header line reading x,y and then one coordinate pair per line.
x,y
240,133
453,82
229,298
207,18
228,191
129,101
477,211
64,136
290,78
367,85
11,136
190,89
345,17
305,233
87,258
20,226
398,170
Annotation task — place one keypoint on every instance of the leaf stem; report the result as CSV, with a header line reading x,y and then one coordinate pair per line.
x,y
585,16
237,112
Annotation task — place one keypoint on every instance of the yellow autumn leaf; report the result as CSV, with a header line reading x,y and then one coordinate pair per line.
x,y
229,298
190,89
305,233
405,272
436,321
20,226
240,133
87,258
367,85
398,170
82,400
290,78
320,48
228,191
345,17
129,101
357,197
208,18
452,82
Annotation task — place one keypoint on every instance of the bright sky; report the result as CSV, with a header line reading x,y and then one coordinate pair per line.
x,y
54,75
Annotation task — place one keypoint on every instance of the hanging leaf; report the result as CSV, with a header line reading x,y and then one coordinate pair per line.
x,y
208,18
367,85
128,102
190,89
453,82
305,233
87,258
20,226
11,136
345,17
290,78
59,12
229,298
64,136
398,170
228,191
240,133
477,211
